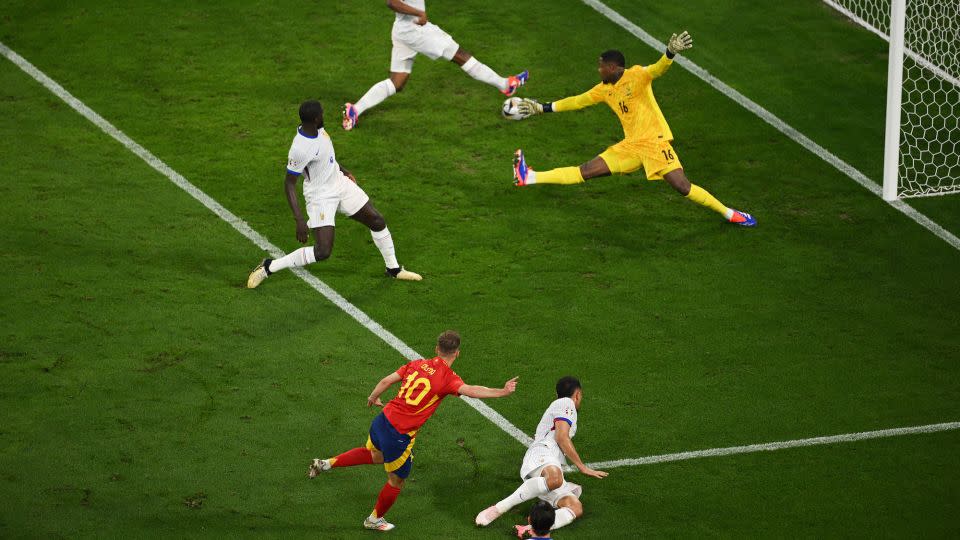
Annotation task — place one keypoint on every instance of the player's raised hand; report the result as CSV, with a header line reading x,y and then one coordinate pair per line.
x,y
679,43
371,401
511,385
529,107
593,472
303,232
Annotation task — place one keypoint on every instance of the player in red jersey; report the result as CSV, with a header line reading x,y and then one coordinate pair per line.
x,y
393,432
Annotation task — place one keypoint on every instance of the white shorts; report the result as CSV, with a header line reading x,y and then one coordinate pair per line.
x,y
566,489
348,199
409,39
534,461
538,457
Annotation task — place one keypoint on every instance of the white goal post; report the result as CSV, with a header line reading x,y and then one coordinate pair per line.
x,y
922,135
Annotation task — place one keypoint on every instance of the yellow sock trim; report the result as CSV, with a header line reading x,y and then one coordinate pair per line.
x,y
703,197
563,175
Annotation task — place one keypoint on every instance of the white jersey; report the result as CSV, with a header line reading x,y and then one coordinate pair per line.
x,y
544,450
563,410
415,4
314,158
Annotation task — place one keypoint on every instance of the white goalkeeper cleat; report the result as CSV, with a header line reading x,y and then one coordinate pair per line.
x,y
487,516
318,466
403,274
259,274
377,524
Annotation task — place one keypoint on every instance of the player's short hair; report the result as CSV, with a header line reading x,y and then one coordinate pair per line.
x,y
566,386
448,342
310,111
542,516
613,56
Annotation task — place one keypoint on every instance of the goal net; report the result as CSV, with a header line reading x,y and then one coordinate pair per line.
x,y
929,150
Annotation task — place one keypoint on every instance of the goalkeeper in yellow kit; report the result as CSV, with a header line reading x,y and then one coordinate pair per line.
x,y
647,137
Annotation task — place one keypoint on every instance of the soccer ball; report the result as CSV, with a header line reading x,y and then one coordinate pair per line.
x,y
510,110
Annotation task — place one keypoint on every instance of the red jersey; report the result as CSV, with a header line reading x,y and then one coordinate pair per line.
x,y
424,385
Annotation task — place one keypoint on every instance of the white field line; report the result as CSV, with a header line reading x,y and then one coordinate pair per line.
x,y
782,445
920,60
244,229
777,123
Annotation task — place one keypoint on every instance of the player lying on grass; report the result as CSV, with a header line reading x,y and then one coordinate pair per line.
x,y
647,137
413,35
542,468
393,432
327,188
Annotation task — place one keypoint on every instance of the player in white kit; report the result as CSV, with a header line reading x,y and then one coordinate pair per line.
x,y
413,35
327,188
542,471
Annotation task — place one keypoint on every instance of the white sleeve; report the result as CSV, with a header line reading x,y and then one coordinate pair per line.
x,y
565,410
297,160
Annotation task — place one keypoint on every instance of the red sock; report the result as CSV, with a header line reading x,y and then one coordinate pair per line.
x,y
357,456
386,499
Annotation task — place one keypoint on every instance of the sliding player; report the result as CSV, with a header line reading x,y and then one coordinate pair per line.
x,y
647,137
393,432
413,35
542,468
327,188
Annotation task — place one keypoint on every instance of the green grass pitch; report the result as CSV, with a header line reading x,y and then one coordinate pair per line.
x,y
144,393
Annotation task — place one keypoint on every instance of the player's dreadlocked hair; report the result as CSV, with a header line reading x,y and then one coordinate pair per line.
x,y
310,111
613,56
541,518
566,386
449,342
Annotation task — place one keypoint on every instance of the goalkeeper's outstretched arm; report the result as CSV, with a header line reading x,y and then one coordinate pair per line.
x,y
530,107
676,44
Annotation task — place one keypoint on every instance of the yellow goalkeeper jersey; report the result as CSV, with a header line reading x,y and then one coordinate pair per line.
x,y
631,98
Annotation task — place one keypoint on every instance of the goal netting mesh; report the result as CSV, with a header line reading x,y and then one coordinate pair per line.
x,y
930,108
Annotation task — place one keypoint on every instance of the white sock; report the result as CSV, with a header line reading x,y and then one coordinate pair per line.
x,y
563,517
377,93
384,243
482,73
728,214
531,489
531,176
300,257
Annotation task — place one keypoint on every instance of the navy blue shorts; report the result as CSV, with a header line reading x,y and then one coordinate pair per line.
x,y
396,447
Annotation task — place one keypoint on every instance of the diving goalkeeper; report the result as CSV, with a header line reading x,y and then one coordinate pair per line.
x,y
647,137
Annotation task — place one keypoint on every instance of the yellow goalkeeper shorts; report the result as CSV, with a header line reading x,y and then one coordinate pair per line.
x,y
657,159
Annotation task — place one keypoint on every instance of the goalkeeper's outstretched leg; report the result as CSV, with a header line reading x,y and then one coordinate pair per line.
x,y
524,175
678,180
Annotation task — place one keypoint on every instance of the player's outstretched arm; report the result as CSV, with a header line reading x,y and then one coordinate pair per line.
x,y
675,45
530,107
380,388
566,444
290,188
482,392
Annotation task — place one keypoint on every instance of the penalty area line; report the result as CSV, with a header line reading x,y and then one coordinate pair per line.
x,y
241,226
774,446
776,123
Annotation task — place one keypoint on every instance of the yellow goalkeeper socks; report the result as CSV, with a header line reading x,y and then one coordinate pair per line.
x,y
703,197
563,175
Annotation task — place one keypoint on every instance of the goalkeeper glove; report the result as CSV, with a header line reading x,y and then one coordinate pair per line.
x,y
529,107
679,43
